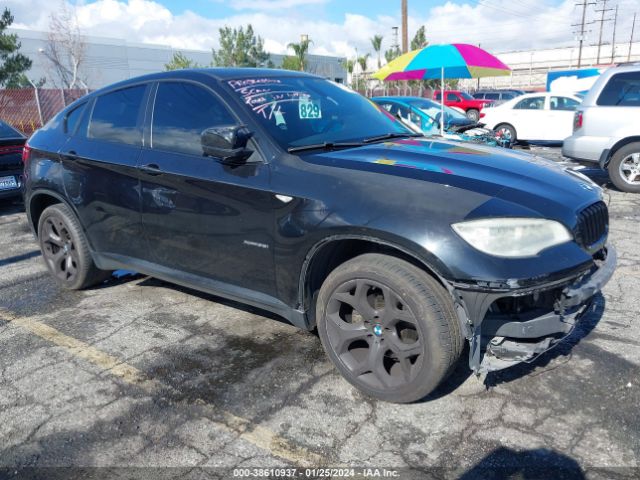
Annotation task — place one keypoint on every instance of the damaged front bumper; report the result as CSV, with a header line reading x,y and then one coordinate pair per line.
x,y
508,327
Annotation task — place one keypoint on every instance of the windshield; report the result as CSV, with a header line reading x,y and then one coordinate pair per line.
x,y
466,96
432,109
299,111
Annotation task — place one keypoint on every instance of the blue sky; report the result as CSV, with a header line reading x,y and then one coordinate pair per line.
x,y
337,27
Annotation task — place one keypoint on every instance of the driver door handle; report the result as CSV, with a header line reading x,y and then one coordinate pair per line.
x,y
151,169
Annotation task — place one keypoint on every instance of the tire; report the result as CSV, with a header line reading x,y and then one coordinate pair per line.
x,y
473,114
624,168
65,249
421,330
508,130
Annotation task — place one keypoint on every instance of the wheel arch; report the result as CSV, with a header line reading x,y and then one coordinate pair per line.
x,y
332,251
618,145
39,200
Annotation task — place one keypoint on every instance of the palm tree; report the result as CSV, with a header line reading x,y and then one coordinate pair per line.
x,y
300,51
376,43
362,61
348,65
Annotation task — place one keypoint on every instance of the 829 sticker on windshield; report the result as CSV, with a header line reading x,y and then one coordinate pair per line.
x,y
308,109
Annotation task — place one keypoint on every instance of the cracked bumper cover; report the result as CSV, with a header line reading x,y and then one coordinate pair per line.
x,y
501,340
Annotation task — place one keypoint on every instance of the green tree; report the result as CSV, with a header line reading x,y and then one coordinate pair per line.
x,y
241,48
300,51
179,61
291,63
419,39
12,63
362,61
391,54
376,43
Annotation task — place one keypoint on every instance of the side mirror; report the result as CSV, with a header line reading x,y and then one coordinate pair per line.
x,y
228,143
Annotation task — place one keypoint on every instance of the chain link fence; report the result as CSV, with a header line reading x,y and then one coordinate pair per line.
x,y
28,109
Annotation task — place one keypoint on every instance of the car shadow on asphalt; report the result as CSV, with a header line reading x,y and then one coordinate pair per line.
x,y
506,463
11,206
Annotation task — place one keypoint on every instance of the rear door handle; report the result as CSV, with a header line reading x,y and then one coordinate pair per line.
x,y
71,155
151,169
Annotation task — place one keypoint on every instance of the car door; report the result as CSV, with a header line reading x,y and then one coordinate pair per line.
x,y
528,118
201,216
100,161
561,111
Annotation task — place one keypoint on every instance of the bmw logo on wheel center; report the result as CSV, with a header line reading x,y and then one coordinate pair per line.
x,y
377,329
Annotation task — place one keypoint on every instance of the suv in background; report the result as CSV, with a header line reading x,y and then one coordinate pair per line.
x,y
463,101
607,127
497,96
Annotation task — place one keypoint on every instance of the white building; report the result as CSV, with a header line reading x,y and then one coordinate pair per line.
x,y
109,60
530,68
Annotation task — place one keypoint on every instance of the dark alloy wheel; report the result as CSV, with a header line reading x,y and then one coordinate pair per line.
x,y
388,327
65,249
374,333
58,249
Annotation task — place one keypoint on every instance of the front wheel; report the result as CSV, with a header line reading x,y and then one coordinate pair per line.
x,y
65,249
473,115
388,327
624,168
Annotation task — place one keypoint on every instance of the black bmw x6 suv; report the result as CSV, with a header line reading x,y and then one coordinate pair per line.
x,y
288,192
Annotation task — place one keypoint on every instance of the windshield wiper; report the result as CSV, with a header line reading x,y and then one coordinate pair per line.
x,y
387,136
324,146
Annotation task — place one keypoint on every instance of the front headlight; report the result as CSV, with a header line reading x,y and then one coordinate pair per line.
x,y
512,237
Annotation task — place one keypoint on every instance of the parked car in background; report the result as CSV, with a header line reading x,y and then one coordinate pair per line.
x,y
534,117
497,96
423,115
463,101
607,127
11,145
288,192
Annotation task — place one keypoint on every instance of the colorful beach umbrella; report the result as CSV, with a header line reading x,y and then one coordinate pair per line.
x,y
456,60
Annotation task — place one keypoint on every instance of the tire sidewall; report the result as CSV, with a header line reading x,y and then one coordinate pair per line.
x,y
434,367
473,114
614,171
60,211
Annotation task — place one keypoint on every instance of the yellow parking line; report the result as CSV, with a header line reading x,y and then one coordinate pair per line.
x,y
259,436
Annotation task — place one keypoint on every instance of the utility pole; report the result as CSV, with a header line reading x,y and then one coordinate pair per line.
x,y
633,27
603,10
582,31
613,40
405,32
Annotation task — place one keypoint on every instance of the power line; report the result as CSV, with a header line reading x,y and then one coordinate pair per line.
x,y
633,27
613,40
582,31
603,10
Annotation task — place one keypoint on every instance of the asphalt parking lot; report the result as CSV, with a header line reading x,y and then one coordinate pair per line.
x,y
141,373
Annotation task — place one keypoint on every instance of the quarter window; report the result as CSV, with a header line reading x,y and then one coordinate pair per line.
x,y
452,97
72,119
623,89
182,111
115,116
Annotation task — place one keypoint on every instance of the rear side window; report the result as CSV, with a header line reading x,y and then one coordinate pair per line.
x,y
182,111
492,96
452,97
479,96
623,90
563,103
532,103
72,118
115,116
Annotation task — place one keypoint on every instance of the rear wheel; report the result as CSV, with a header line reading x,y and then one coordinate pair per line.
x,y
388,327
624,168
473,115
65,249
